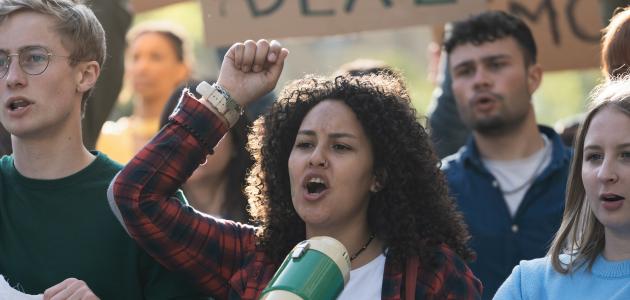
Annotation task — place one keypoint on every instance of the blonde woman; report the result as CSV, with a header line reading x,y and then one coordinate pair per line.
x,y
590,255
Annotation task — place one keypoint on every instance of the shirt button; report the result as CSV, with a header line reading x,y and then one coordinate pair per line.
x,y
495,184
514,228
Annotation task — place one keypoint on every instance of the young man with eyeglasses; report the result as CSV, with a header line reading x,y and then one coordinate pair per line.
x,y
55,221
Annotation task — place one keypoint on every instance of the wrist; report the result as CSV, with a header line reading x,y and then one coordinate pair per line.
x,y
232,91
220,101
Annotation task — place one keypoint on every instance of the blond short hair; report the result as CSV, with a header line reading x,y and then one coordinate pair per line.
x,y
80,30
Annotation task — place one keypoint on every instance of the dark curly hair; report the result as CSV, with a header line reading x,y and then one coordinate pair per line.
x,y
488,27
412,213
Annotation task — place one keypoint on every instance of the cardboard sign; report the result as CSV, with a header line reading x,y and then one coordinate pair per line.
x,y
227,21
567,32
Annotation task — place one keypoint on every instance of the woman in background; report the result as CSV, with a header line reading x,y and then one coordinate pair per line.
x,y
217,186
157,62
616,45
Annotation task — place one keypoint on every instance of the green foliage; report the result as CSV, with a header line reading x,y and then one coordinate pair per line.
x,y
564,94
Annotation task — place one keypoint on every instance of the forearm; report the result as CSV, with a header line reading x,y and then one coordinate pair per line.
x,y
209,251
172,155
174,234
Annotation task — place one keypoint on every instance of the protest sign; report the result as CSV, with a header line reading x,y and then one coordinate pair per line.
x,y
237,20
567,32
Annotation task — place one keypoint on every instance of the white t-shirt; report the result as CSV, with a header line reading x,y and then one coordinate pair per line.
x,y
518,175
8,292
365,282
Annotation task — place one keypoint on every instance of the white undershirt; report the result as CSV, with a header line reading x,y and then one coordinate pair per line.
x,y
366,281
8,292
511,174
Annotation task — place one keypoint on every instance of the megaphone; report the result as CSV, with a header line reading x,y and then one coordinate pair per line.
x,y
316,269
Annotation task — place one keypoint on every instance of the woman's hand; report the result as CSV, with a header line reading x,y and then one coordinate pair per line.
x,y
251,69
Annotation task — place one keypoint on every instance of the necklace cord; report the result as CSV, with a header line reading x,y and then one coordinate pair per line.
x,y
355,255
547,151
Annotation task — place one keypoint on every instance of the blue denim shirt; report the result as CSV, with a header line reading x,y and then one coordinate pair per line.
x,y
499,239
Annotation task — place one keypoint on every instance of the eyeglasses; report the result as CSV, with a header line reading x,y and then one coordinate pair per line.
x,y
33,60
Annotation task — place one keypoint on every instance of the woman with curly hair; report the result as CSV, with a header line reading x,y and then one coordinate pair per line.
x,y
343,157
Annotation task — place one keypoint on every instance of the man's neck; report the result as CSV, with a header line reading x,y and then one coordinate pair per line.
x,y
519,143
50,157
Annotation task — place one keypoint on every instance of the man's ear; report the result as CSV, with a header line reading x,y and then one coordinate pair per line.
x,y
87,75
534,77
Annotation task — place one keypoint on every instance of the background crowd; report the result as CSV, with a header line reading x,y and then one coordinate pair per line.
x,y
476,200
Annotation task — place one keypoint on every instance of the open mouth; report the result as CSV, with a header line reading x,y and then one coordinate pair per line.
x,y
611,198
484,100
18,104
315,185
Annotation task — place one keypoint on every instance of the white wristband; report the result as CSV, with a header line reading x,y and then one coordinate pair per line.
x,y
216,96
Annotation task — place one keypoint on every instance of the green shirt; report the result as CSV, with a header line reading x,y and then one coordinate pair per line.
x,y
51,230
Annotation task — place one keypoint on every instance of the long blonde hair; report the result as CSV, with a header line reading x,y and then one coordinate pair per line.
x,y
581,235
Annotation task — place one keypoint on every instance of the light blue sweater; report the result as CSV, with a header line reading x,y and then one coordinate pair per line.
x,y
537,280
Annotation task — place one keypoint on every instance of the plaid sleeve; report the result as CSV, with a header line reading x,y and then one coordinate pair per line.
x,y
451,280
208,250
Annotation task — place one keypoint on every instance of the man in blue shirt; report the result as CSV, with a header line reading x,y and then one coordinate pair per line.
x,y
509,179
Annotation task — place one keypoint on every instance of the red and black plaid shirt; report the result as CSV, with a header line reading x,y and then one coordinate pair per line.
x,y
221,256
